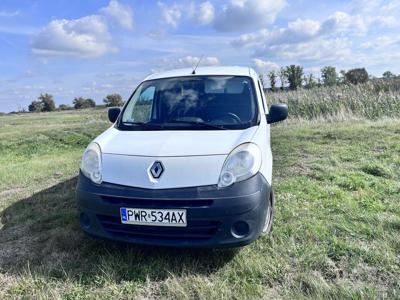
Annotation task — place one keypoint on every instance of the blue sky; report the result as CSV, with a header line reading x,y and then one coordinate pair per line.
x,y
91,48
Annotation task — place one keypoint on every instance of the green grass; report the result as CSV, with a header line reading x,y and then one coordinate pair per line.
x,y
336,233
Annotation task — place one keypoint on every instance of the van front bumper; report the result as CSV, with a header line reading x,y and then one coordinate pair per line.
x,y
216,217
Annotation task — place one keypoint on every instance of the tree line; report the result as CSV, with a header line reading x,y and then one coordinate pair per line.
x,y
45,102
293,77
290,77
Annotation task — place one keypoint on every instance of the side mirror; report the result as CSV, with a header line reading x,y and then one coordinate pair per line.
x,y
277,112
113,114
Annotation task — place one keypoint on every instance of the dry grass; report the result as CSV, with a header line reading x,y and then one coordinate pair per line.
x,y
372,100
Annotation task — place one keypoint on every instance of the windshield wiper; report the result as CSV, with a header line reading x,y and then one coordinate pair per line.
x,y
147,125
198,123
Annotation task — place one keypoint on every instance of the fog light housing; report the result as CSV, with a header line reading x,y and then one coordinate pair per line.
x,y
240,229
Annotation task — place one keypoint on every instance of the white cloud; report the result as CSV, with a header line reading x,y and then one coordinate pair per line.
x,y
297,31
301,35
8,14
263,66
251,39
338,25
186,62
343,39
365,6
377,12
384,41
387,41
341,22
119,13
240,15
307,26
84,37
206,13
171,15
384,21
391,6
193,60
319,50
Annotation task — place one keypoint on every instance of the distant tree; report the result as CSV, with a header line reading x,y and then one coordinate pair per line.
x,y
80,103
36,106
282,77
294,75
388,75
48,102
309,81
113,100
329,76
90,103
45,102
272,80
356,76
64,107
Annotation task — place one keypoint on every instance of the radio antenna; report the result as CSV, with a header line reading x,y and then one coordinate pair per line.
x,y
194,70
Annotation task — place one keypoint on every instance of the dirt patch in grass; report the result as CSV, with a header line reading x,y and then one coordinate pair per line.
x,y
376,170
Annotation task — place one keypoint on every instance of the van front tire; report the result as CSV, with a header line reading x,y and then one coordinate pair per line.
x,y
269,216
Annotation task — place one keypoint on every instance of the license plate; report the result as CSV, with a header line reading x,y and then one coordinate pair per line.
x,y
154,217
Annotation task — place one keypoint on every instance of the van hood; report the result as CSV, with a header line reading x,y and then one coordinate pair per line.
x,y
163,143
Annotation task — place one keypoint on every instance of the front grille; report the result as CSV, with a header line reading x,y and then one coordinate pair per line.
x,y
156,203
195,230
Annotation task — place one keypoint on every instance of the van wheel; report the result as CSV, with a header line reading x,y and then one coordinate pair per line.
x,y
269,218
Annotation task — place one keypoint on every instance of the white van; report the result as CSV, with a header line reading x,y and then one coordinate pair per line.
x,y
187,162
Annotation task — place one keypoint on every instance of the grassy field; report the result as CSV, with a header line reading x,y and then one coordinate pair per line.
x,y
372,101
336,233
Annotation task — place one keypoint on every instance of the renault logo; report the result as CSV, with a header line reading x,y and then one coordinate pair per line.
x,y
157,169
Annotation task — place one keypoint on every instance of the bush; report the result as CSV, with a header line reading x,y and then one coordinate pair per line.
x,y
113,100
48,102
65,107
357,76
45,102
80,103
388,75
35,106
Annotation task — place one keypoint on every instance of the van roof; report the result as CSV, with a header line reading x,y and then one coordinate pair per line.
x,y
219,70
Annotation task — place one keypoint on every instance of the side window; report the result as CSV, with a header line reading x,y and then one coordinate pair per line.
x,y
142,112
141,107
264,100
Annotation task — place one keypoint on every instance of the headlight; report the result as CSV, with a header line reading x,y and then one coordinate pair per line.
x,y
242,163
91,163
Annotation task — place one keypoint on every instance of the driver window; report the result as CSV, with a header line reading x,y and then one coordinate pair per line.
x,y
142,111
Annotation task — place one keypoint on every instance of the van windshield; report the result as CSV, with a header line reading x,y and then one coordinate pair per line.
x,y
193,102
